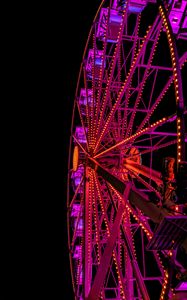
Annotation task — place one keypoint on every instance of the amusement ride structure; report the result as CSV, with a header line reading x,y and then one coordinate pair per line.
x,y
127,198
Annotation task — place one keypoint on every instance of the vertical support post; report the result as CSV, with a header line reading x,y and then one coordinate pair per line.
x,y
129,270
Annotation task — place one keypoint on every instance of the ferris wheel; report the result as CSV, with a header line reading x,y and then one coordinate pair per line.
x,y
127,147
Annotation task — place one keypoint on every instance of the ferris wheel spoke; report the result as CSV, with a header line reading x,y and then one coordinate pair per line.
x,y
135,267
109,230
135,136
87,110
111,74
142,83
96,219
144,224
127,81
128,90
88,233
182,60
106,258
136,197
101,75
135,34
92,113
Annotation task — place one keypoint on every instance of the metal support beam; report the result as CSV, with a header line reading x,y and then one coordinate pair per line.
x,y
106,258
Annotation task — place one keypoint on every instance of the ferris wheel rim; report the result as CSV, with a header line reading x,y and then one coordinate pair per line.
x,y
78,87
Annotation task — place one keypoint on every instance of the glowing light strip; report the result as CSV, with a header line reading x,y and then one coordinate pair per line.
x,y
111,73
142,84
120,277
82,123
93,92
177,82
101,70
134,136
182,60
87,110
95,214
126,83
133,56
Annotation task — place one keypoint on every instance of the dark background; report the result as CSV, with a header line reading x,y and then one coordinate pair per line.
x,y
44,48
45,53
81,16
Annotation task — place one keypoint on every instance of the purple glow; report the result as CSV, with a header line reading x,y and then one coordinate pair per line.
x,y
80,224
98,62
114,24
76,176
80,134
176,15
182,286
75,210
136,6
83,96
77,252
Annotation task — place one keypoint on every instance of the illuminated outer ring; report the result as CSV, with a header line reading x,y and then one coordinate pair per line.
x,y
71,138
177,84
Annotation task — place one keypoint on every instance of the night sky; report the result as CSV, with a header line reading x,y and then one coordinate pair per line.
x,y
36,261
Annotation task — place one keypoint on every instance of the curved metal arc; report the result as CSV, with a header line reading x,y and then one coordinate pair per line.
x,y
68,196
130,250
177,81
106,257
70,144
103,267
